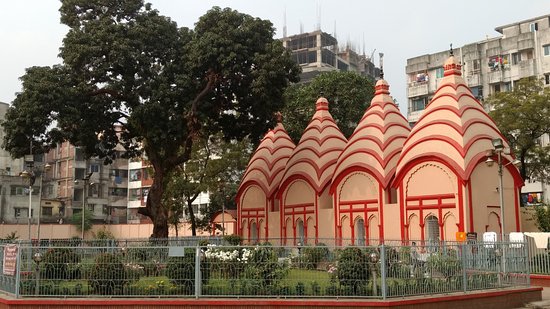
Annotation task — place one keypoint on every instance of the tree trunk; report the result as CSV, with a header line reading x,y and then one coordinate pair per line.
x,y
154,208
192,218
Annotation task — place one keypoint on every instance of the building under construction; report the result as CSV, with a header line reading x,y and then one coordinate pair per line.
x,y
317,52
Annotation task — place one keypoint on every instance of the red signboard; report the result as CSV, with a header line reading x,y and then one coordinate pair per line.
x,y
10,260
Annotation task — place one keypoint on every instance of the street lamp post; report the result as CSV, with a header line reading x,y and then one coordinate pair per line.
x,y
31,175
29,160
86,179
46,167
498,149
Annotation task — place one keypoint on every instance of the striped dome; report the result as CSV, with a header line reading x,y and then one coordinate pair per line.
x,y
315,156
454,127
377,140
267,165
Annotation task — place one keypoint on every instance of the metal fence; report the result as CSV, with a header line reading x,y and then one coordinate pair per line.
x,y
212,268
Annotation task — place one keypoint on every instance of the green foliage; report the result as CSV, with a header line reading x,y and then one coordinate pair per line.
x,y
445,263
312,256
233,240
542,218
60,263
181,271
349,94
523,116
76,220
150,86
263,268
11,237
104,234
353,270
108,275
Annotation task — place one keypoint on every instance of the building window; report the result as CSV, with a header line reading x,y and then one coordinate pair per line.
x,y
476,65
516,58
47,211
547,79
506,87
418,104
546,49
94,168
118,191
439,73
17,212
135,175
533,27
496,88
477,92
135,194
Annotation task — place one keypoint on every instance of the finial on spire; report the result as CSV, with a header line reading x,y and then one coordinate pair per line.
x,y
321,93
451,51
381,55
278,117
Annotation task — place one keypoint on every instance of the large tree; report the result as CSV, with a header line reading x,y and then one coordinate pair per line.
x,y
131,76
348,93
523,116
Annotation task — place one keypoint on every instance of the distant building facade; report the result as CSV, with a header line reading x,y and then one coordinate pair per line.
x,y
489,66
317,52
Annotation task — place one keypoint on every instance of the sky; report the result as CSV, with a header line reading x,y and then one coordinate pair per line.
x,y
31,34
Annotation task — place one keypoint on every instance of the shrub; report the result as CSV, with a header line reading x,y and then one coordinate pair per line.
x,y
263,267
312,256
108,275
60,263
300,288
447,264
233,240
353,268
181,271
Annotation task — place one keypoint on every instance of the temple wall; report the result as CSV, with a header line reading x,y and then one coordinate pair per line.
x,y
485,199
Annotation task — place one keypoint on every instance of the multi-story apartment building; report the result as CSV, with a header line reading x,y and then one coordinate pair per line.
x,y
489,66
317,52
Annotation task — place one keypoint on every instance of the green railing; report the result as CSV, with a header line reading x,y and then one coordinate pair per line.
x,y
198,268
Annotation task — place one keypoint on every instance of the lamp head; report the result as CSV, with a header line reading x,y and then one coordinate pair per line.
x,y
516,162
498,144
47,167
489,161
25,174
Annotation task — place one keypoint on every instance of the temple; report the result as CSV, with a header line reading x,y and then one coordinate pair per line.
x,y
387,182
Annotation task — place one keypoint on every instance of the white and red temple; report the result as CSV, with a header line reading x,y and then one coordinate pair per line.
x,y
387,181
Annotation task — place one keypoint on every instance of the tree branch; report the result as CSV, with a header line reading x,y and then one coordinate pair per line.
x,y
110,92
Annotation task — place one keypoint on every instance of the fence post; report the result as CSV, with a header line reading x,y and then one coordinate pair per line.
x,y
198,271
527,260
18,270
383,270
464,276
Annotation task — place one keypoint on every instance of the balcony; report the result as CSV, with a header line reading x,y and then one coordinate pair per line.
x,y
418,89
526,44
495,77
526,68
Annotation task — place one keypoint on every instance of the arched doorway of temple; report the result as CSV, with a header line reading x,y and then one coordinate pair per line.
x,y
298,202
360,231
430,193
253,209
493,221
300,232
431,229
358,199
253,233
